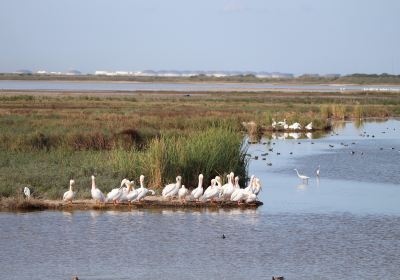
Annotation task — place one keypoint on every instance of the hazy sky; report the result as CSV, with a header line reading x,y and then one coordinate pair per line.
x,y
295,36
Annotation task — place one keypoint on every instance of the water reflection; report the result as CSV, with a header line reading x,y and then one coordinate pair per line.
x,y
301,187
291,135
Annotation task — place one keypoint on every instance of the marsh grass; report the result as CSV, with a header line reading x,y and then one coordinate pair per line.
x,y
215,151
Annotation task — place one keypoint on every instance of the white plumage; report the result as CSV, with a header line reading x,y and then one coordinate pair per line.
x,y
256,186
302,177
211,192
27,192
198,192
69,195
183,192
115,194
295,126
171,190
142,191
97,195
228,188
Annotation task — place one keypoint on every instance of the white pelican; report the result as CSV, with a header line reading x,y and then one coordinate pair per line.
x,y
302,177
251,184
172,190
282,123
132,193
27,192
142,191
240,195
256,186
250,197
198,192
211,192
309,126
236,187
126,190
182,193
273,123
69,195
228,188
295,126
116,193
97,195
317,172
219,184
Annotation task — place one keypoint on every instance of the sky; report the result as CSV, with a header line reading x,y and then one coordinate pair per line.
x,y
291,36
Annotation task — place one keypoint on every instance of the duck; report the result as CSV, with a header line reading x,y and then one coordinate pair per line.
x,y
27,192
69,195
171,190
198,192
142,191
211,192
182,193
97,195
309,126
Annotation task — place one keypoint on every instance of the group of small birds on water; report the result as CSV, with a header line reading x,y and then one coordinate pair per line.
x,y
231,191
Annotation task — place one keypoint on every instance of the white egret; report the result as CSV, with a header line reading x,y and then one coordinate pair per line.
x,y
302,177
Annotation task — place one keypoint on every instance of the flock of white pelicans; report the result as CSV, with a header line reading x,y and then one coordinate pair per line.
x,y
231,191
295,126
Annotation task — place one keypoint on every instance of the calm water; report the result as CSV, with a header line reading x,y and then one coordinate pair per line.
x,y
139,86
345,225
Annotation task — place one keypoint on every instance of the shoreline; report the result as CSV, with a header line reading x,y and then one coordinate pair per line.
x,y
150,202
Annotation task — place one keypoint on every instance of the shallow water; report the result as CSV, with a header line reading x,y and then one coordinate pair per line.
x,y
140,86
346,224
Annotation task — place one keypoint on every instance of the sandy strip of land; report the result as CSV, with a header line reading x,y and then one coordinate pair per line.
x,y
151,202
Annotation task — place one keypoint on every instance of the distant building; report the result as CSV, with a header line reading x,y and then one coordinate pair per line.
x,y
42,72
23,71
73,73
